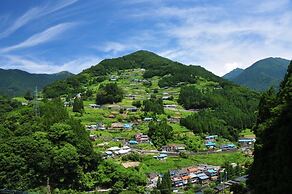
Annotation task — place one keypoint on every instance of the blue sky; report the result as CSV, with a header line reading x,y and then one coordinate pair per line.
x,y
47,36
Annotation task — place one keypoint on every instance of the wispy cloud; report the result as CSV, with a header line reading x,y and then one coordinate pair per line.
x,y
33,14
42,37
33,65
221,36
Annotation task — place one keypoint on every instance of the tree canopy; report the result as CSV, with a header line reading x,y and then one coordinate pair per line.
x,y
272,167
109,93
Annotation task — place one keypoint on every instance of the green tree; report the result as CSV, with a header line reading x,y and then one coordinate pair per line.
x,y
160,133
272,167
28,96
78,105
109,93
154,105
165,186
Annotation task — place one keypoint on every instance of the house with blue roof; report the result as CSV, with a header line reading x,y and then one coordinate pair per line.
x,y
133,142
128,126
210,145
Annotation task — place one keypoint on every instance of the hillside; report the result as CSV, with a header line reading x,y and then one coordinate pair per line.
x,y
263,74
233,74
272,161
15,82
145,74
143,113
171,73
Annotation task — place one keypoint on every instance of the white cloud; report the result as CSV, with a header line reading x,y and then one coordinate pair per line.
x,y
41,66
223,37
33,14
112,47
42,37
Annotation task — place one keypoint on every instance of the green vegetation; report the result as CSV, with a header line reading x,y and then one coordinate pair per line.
x,y
263,74
50,149
165,185
16,82
271,170
160,133
109,93
154,105
230,110
172,73
78,105
61,154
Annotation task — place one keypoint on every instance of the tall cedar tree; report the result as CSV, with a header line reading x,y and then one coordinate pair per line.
x,y
165,185
78,105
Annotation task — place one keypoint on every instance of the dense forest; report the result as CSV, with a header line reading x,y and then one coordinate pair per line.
x,y
15,82
53,150
271,171
223,111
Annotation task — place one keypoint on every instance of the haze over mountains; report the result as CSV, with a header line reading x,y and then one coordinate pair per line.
x,y
15,82
261,75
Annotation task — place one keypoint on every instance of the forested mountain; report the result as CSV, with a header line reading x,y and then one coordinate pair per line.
x,y
15,82
171,73
49,148
262,75
231,107
233,74
272,168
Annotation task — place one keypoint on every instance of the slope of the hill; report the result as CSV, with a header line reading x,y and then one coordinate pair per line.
x,y
171,73
15,82
272,167
233,74
263,74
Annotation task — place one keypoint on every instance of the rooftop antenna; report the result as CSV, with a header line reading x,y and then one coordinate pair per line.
x,y
36,104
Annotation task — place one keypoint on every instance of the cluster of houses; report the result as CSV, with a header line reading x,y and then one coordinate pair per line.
x,y
210,143
112,151
201,174
117,125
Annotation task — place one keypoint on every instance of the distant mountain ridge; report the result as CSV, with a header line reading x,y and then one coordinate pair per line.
x,y
233,74
15,82
261,75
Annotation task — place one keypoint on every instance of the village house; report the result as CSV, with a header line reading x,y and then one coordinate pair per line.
x,y
117,125
141,138
128,126
210,145
101,126
161,156
91,127
114,107
211,138
133,142
132,96
229,146
174,148
132,109
174,119
147,119
170,106
92,137
153,180
94,106
246,142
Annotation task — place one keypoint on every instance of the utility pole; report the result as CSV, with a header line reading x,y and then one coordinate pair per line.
x,y
36,104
